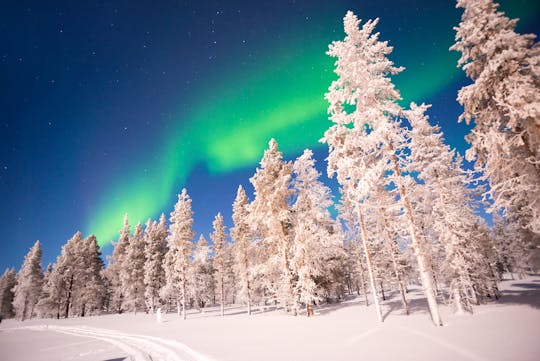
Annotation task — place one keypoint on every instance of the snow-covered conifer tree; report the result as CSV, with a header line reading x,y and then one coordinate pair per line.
x,y
231,277
452,220
503,102
270,215
132,272
367,141
155,235
177,259
7,283
91,292
512,254
241,234
29,283
315,239
50,302
353,247
218,240
388,225
115,265
202,274
70,266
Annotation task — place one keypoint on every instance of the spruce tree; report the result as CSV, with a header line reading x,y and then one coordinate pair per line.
x,y
177,259
155,235
316,241
115,265
270,215
29,283
503,103
367,141
219,244
91,286
7,283
132,272
202,274
241,234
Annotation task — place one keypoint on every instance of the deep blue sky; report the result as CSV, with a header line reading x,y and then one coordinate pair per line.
x,y
96,94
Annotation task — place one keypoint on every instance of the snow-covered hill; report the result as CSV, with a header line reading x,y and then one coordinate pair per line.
x,y
505,330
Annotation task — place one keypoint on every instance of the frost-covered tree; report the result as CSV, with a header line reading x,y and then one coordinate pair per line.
x,y
241,234
452,218
513,255
202,274
132,272
29,284
115,265
177,259
231,283
218,241
7,283
91,294
67,266
316,241
367,140
50,302
270,215
155,235
353,245
76,284
503,101
388,226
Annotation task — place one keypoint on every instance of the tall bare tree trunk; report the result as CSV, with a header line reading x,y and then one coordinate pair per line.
x,y
368,261
425,274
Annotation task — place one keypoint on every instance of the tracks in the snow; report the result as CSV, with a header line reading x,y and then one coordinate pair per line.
x,y
138,347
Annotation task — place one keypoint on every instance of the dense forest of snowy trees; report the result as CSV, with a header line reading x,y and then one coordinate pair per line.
x,y
408,210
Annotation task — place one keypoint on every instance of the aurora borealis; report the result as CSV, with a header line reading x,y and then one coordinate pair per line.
x,y
184,95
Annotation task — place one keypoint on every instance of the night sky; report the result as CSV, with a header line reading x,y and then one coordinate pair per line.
x,y
113,106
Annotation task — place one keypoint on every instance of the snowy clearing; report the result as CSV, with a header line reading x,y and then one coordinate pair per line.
x,y
507,330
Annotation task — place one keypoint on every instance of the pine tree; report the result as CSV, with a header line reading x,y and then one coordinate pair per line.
x,y
115,265
91,286
270,214
387,224
503,102
132,272
366,143
155,236
202,274
67,267
7,283
50,302
73,273
218,240
453,221
353,247
241,233
315,243
29,284
177,259
231,280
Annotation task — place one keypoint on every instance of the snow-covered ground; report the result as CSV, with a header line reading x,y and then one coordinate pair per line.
x,y
506,330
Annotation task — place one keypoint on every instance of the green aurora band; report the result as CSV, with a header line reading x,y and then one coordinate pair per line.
x,y
232,123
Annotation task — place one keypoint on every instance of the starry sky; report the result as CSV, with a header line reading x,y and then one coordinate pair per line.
x,y
109,107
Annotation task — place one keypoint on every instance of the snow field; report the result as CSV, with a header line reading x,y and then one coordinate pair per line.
x,y
507,330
